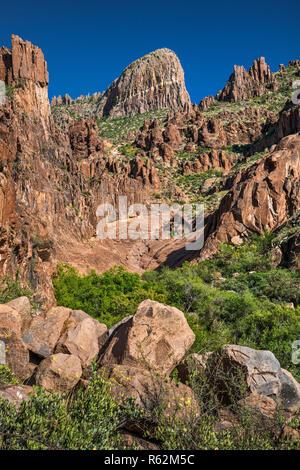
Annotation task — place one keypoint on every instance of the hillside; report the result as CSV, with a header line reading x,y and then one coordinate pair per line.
x,y
138,343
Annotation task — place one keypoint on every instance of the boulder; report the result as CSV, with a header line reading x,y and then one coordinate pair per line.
x,y
44,333
81,340
266,406
193,363
232,367
23,307
157,336
101,329
13,351
151,391
15,393
59,372
289,392
17,356
289,433
10,321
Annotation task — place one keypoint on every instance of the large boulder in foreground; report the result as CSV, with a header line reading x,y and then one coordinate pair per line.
x,y
59,373
23,307
44,333
78,316
151,392
81,340
157,336
10,321
17,356
290,391
237,371
13,351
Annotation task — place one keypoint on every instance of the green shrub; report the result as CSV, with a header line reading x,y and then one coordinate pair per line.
x,y
7,377
107,297
90,419
10,290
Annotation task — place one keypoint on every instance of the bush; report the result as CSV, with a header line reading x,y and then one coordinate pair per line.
x,y
88,420
107,297
10,290
6,376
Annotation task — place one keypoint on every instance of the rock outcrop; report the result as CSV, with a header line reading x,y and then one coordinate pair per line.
x,y
263,196
155,81
287,123
24,68
244,84
84,139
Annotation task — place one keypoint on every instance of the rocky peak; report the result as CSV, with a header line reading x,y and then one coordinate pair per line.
x,y
243,84
24,62
263,196
25,70
56,100
260,71
155,81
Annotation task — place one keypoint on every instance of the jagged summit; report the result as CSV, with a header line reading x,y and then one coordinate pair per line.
x,y
243,84
155,81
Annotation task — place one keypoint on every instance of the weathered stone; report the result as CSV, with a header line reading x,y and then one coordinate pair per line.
x,y
263,197
206,102
17,356
157,335
15,393
193,363
44,333
81,340
10,320
59,373
290,433
259,403
290,391
101,329
258,370
2,353
84,139
150,391
155,81
23,307
243,85
288,123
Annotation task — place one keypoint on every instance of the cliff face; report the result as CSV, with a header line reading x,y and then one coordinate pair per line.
x,y
263,196
51,180
23,68
155,81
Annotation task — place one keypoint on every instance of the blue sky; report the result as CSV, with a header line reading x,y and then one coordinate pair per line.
x,y
87,44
